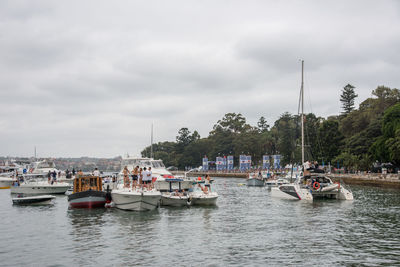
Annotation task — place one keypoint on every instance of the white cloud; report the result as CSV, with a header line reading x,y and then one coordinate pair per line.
x,y
89,78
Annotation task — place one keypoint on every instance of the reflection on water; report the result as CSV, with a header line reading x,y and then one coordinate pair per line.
x,y
247,228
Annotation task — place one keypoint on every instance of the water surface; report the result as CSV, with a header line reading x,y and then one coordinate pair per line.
x,y
248,227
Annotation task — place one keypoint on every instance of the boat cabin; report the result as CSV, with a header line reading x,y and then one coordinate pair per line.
x,y
86,183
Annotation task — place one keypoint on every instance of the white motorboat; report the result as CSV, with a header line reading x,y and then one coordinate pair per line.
x,y
176,196
43,167
137,199
175,199
5,182
35,186
255,179
203,196
255,182
33,200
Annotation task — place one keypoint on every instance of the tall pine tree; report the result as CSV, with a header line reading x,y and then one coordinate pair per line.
x,y
347,98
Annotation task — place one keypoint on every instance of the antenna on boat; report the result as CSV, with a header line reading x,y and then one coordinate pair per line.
x,y
35,152
151,147
302,111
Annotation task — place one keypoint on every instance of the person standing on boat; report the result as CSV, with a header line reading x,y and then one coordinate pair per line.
x,y
207,182
144,177
49,177
150,177
135,176
126,176
141,177
54,177
96,172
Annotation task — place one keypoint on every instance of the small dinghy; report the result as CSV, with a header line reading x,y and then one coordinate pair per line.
x,y
33,200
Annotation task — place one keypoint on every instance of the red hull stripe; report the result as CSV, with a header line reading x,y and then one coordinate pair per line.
x,y
88,204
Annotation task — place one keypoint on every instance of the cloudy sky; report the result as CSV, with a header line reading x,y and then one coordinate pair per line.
x,y
87,78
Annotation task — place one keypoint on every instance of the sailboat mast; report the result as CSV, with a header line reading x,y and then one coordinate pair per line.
x,y
302,111
151,147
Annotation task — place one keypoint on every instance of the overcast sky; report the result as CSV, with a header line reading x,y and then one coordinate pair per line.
x,y
87,78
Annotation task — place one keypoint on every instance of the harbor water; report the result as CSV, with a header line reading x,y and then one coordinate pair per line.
x,y
247,228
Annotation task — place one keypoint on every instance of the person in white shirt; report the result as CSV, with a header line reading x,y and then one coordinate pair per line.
x,y
145,175
96,172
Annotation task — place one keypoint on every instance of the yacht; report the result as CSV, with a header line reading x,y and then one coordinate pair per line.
x,y
313,183
39,186
5,182
135,199
43,167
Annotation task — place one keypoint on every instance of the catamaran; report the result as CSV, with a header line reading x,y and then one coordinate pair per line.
x,y
314,183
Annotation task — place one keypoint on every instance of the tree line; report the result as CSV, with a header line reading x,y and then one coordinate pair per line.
x,y
354,139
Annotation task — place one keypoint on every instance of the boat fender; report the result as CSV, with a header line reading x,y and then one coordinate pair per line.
x,y
316,185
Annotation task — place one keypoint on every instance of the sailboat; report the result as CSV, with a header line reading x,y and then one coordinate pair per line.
x,y
313,183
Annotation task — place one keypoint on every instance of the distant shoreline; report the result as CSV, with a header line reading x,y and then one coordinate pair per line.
x,y
371,179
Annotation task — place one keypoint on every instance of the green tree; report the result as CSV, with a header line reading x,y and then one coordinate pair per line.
x,y
232,122
184,136
330,140
286,131
347,98
262,125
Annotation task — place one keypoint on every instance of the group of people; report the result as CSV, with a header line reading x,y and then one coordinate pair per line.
x,y
52,177
142,177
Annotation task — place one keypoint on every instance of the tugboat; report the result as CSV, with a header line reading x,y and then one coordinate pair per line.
x,y
88,193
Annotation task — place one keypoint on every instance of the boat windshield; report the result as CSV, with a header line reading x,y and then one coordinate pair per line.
x,y
46,165
133,162
158,164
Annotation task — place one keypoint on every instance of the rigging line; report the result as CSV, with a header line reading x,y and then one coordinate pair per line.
x,y
318,141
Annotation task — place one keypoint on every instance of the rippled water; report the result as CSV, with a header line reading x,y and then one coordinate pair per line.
x,y
248,227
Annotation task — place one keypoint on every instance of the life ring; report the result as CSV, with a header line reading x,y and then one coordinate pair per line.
x,y
316,185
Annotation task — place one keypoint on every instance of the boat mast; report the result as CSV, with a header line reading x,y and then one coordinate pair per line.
x,y
151,147
302,112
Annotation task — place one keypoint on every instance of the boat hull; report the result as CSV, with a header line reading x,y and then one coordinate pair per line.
x,y
204,199
39,200
255,182
135,200
5,183
174,201
162,185
87,199
39,189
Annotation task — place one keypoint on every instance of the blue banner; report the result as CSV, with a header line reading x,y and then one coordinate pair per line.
x,y
242,162
248,162
266,163
277,161
205,164
219,163
230,163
